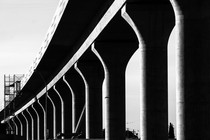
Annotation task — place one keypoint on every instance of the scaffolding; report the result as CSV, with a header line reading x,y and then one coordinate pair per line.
x,y
12,86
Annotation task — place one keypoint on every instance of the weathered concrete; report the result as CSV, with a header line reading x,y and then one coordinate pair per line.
x,y
193,69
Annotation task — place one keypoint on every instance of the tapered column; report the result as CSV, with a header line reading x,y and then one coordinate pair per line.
x,y
32,124
91,70
193,69
24,123
115,57
65,100
16,127
21,126
73,78
37,122
27,127
114,47
62,111
154,21
54,116
71,92
10,128
44,120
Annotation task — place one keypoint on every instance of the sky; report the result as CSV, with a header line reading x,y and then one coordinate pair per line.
x,y
23,26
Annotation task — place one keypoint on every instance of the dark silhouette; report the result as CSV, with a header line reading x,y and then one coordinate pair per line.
x,y
171,132
128,134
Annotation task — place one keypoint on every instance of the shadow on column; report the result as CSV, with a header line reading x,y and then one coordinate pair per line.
x,y
93,72
74,79
115,45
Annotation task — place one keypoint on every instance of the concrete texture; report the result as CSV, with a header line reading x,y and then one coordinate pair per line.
x,y
193,77
155,21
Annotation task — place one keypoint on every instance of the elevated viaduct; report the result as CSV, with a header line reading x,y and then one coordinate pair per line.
x,y
84,56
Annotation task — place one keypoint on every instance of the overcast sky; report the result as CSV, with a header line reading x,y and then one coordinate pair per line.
x,y
23,26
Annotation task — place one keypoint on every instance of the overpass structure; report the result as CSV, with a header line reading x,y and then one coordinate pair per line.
x,y
84,56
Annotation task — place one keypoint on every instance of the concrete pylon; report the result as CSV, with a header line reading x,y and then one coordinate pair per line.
x,y
62,111
21,125
193,69
53,120
31,125
65,99
91,70
27,126
16,127
154,21
77,85
37,137
71,104
114,47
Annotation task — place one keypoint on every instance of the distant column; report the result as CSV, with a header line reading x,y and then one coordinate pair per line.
x,y
91,70
44,120
32,124
38,122
21,125
54,116
193,69
62,111
72,104
16,127
27,127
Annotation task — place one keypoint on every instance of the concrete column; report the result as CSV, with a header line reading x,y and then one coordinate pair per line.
x,y
73,104
115,57
27,127
21,126
54,116
114,51
77,85
62,111
154,20
16,127
44,119
32,125
64,98
38,122
10,127
193,69
91,71
114,47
